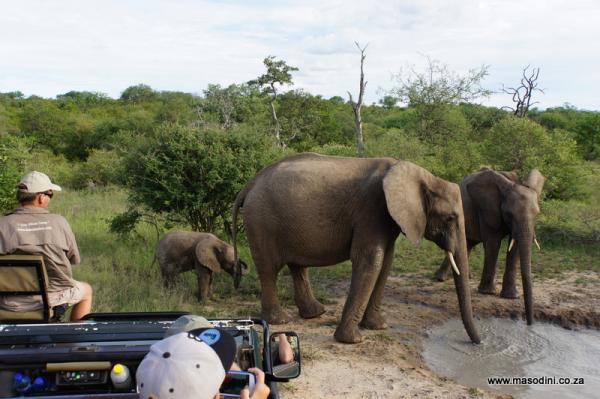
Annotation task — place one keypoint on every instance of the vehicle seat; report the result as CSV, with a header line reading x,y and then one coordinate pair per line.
x,y
26,275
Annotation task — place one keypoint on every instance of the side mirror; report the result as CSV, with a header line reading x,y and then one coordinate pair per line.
x,y
285,355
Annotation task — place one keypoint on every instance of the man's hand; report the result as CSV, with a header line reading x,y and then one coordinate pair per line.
x,y
261,390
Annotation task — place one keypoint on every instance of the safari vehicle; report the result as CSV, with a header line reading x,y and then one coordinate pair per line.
x,y
44,359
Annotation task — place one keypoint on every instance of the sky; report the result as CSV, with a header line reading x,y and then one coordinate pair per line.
x,y
52,47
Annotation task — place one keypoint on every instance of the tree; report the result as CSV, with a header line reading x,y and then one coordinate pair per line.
x,y
278,73
193,176
388,102
139,93
356,106
307,120
432,93
12,156
521,95
521,144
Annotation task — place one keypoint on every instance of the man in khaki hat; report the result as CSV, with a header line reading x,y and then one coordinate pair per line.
x,y
32,229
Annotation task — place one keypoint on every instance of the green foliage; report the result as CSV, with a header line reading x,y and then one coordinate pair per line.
x,y
278,73
83,99
125,222
335,149
195,175
307,120
520,144
439,85
9,177
138,94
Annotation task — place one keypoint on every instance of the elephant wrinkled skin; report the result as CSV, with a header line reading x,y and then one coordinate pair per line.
x,y
497,204
314,210
180,251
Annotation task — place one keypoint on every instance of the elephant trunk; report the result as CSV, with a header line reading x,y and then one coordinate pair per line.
x,y
525,239
463,291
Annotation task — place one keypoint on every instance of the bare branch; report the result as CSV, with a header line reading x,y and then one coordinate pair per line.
x,y
522,94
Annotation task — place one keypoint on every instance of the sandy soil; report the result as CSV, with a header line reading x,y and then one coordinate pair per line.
x,y
388,364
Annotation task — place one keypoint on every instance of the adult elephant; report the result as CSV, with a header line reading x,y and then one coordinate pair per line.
x,y
180,251
309,209
497,204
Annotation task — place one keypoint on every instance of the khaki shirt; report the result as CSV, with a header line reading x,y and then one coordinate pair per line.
x,y
36,231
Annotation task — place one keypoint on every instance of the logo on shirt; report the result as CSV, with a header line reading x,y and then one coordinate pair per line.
x,y
33,226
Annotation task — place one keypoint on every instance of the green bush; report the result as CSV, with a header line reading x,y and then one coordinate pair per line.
x,y
335,149
9,176
451,161
520,144
101,168
195,175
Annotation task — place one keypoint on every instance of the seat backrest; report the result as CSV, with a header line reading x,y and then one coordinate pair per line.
x,y
24,275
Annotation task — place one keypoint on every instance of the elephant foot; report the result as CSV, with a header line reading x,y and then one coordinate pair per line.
x,y
510,293
312,310
347,335
373,321
276,316
440,275
487,290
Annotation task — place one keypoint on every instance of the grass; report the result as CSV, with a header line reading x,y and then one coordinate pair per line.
x,y
124,278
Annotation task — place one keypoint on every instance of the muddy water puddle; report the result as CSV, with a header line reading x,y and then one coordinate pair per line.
x,y
513,349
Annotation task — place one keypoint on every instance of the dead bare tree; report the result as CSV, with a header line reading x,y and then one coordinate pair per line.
x,y
356,106
521,95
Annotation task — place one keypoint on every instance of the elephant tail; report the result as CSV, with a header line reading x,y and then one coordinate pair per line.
x,y
238,203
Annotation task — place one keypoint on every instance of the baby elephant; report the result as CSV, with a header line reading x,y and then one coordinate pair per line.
x,y
180,251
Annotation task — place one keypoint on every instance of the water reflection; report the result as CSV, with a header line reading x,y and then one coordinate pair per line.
x,y
513,349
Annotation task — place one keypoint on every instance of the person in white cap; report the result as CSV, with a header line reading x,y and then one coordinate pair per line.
x,y
32,229
192,365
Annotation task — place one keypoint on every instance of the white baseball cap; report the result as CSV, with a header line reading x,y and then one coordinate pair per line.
x,y
37,182
187,365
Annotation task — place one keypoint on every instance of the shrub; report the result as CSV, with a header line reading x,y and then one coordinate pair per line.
x,y
520,144
9,176
195,175
451,161
335,149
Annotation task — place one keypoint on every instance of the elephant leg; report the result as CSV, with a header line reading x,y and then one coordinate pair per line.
x,y
373,319
272,311
491,248
204,283
509,287
366,268
443,271
308,306
167,274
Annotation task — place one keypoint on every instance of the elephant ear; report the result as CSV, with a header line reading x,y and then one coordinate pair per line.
x,y
512,176
404,190
535,180
206,254
487,190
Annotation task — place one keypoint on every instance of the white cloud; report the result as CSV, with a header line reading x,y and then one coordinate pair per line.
x,y
48,48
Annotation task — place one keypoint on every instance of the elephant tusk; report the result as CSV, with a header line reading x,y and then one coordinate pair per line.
x,y
537,244
512,242
453,263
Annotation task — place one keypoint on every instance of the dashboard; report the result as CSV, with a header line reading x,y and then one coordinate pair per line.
x,y
98,357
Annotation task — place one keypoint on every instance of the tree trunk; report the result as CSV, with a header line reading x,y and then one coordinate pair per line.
x,y
276,123
356,107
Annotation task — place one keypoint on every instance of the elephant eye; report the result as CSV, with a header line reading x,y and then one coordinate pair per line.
x,y
450,218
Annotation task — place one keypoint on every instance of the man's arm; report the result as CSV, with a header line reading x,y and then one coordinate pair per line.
x,y
73,252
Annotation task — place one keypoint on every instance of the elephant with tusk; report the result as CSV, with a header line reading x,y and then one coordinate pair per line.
x,y
497,204
315,210
180,251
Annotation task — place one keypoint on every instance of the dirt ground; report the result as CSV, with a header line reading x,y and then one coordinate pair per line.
x,y
388,363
